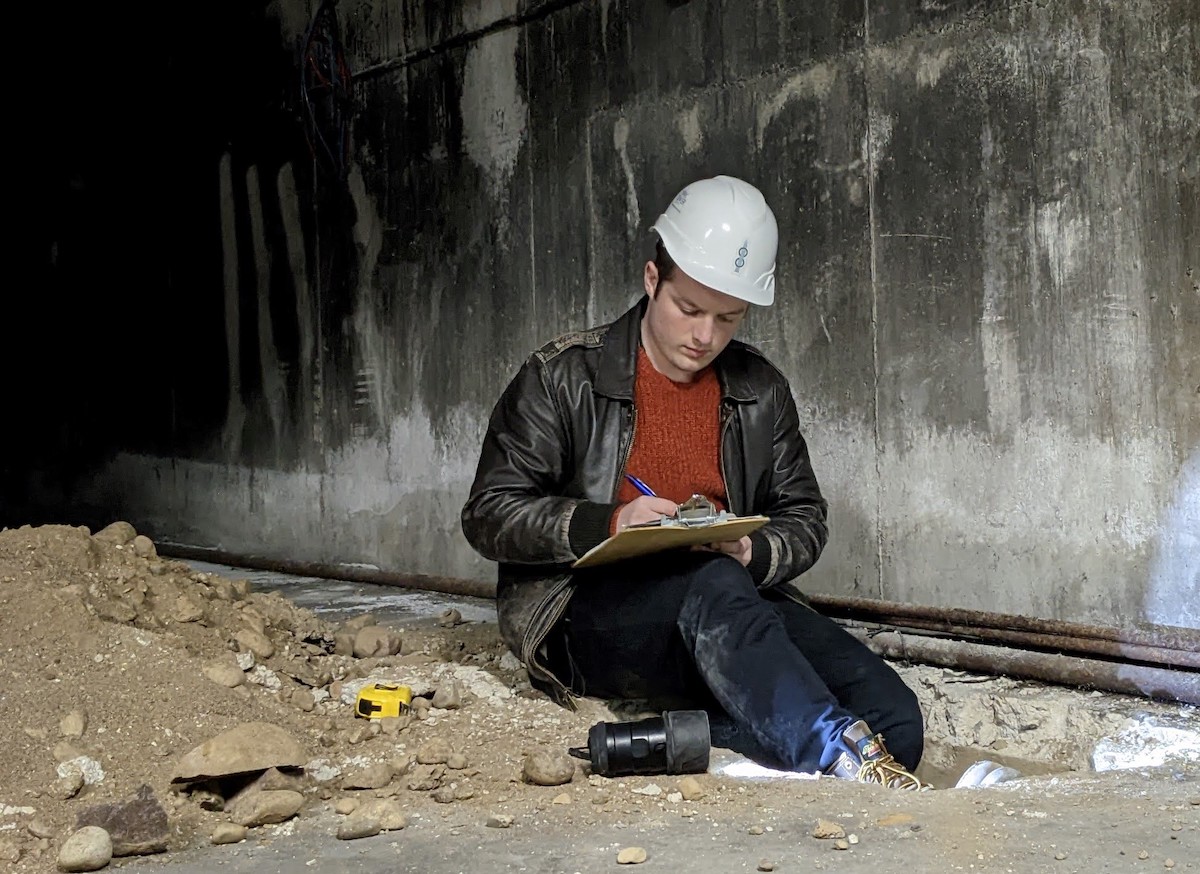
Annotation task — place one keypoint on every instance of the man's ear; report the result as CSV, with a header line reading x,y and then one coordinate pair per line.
x,y
650,279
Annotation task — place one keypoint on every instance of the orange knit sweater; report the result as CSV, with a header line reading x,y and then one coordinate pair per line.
x,y
676,438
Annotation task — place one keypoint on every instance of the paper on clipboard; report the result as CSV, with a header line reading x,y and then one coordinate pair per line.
x,y
695,523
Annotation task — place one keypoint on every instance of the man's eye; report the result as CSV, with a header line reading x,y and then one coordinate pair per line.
x,y
687,312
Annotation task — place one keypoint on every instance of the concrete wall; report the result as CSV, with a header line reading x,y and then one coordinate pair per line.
x,y
989,298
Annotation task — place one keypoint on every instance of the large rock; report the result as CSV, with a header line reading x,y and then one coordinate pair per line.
x,y
252,746
136,827
89,849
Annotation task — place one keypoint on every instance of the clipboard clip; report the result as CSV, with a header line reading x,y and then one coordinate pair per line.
x,y
696,512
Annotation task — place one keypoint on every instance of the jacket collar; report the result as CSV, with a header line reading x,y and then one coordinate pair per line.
x,y
618,361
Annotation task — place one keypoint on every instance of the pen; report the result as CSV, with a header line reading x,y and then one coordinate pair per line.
x,y
640,486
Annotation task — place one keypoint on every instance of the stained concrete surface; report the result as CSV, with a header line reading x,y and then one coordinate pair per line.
x,y
1094,822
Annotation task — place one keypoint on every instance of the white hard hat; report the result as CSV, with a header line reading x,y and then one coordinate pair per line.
x,y
722,234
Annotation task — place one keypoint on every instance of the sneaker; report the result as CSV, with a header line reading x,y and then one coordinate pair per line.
x,y
986,773
871,762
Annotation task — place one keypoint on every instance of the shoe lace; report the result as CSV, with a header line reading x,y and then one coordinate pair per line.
x,y
888,772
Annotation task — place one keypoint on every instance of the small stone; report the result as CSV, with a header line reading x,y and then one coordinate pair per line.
x,y
228,833
457,762
374,776
1060,855
1168,863
303,700
88,849
548,768
385,811
827,828
345,806
1143,855
443,794
841,844
631,856
690,789
266,807
674,797
74,724
651,789
499,820
249,640
449,617
434,752
766,865
853,839
375,641
143,547
1195,802
448,696
39,828
755,830
354,827
9,852
224,673
562,798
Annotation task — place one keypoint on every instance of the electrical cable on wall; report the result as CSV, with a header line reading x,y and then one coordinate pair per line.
x,y
325,91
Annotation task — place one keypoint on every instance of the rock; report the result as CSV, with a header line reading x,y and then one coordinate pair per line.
x,y
39,828
251,746
392,725
272,779
499,820
68,785
245,660
841,844
346,806
443,794
266,807
263,676
690,789
1143,855
448,696
374,776
9,852
88,849
827,828
224,672
385,811
755,830
228,833
674,797
631,856
343,644
1168,863
375,641
251,640
562,798
137,827
766,865
420,708
651,789
354,827
449,617
187,608
434,752
303,700
74,724
116,534
143,547
852,838
548,767
1060,855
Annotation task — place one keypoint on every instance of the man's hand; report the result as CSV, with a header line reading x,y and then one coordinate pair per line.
x,y
644,509
739,549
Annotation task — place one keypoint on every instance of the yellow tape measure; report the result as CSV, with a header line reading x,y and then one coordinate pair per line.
x,y
379,700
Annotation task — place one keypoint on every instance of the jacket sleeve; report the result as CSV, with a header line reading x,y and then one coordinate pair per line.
x,y
792,541
514,512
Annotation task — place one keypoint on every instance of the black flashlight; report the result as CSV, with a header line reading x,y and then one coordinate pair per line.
x,y
677,742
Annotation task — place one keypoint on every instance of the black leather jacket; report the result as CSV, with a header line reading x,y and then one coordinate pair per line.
x,y
555,450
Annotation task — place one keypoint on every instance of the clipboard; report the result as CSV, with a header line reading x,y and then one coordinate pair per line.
x,y
697,521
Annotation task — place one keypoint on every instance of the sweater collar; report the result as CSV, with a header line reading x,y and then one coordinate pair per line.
x,y
617,370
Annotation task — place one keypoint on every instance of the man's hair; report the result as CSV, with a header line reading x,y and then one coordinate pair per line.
x,y
664,263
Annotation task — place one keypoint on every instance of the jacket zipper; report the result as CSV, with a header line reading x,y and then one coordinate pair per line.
x,y
726,418
632,416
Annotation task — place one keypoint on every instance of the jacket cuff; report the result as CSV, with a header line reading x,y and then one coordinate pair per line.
x,y
589,526
760,557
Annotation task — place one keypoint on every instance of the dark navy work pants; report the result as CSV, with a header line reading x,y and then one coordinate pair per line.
x,y
691,629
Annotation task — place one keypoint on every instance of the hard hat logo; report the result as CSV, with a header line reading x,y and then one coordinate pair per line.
x,y
722,233
740,261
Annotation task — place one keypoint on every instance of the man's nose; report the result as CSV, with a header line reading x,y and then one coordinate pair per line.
x,y
702,331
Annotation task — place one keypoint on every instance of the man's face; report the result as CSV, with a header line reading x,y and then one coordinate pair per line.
x,y
686,324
